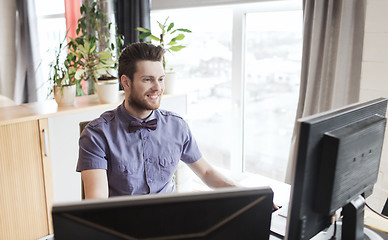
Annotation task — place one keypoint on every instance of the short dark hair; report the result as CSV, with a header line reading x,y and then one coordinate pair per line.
x,y
135,52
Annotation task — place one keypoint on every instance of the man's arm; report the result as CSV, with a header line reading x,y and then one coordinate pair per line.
x,y
209,175
95,183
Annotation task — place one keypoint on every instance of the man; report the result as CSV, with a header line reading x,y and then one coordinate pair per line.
x,y
135,148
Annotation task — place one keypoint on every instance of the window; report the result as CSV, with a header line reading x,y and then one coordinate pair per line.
x,y
272,75
241,72
204,73
51,31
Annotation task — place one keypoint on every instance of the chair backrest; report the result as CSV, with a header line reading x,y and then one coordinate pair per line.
x,y
82,125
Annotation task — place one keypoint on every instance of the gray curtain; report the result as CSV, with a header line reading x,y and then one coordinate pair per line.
x,y
7,46
27,53
129,15
331,61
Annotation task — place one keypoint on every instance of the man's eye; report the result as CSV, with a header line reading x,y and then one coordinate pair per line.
x,y
161,79
147,79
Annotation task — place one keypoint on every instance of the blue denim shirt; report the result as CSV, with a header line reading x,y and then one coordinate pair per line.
x,y
141,162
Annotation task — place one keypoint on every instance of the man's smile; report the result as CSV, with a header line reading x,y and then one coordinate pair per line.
x,y
153,96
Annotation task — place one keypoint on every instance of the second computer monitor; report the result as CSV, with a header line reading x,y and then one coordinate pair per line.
x,y
337,161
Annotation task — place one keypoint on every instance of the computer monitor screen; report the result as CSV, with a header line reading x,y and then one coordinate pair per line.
x,y
337,161
229,213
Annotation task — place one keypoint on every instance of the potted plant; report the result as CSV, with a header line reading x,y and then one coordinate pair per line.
x,y
168,39
92,53
62,85
95,64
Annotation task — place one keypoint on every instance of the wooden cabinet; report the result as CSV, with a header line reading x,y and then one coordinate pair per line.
x,y
25,178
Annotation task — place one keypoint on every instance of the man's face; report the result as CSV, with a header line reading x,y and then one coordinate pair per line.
x,y
147,87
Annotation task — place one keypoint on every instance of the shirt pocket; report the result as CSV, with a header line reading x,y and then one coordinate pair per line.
x,y
167,165
126,167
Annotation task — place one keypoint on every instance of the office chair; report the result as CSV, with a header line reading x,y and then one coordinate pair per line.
x,y
82,125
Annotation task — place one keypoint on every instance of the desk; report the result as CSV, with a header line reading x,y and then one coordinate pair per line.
x,y
376,222
282,194
281,190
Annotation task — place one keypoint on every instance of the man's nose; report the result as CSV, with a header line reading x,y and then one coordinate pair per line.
x,y
158,85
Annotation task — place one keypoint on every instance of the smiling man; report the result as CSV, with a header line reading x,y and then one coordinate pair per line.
x,y
136,148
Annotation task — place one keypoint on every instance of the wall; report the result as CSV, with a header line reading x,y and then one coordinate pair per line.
x,y
374,81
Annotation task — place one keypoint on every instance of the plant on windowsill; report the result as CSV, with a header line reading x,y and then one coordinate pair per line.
x,y
95,65
92,54
62,85
169,40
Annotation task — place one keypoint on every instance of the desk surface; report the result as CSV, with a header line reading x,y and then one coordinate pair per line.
x,y
374,221
49,108
282,194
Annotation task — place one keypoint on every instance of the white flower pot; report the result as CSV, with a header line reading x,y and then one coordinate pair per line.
x,y
170,83
108,90
65,96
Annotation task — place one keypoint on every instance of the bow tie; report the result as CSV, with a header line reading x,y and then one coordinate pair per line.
x,y
135,125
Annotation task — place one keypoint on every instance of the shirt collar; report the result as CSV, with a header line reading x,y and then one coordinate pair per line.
x,y
124,114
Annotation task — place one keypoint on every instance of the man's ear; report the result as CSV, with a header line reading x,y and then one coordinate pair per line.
x,y
125,81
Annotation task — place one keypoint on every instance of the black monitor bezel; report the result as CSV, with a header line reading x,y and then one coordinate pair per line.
x,y
262,195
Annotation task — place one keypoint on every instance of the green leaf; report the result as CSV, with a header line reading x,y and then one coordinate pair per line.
x,y
161,27
104,55
82,50
144,35
183,30
154,38
170,27
165,21
179,37
176,48
140,29
92,49
172,43
110,62
86,46
102,71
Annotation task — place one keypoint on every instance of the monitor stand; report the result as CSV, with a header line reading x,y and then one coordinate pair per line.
x,y
351,226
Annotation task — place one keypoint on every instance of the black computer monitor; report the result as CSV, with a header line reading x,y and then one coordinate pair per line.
x,y
336,166
230,213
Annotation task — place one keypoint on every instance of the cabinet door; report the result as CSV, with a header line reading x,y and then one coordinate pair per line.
x,y
24,207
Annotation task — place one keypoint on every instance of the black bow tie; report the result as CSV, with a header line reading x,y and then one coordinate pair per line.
x,y
135,125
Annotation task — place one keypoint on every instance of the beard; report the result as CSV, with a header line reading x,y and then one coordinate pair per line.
x,y
138,102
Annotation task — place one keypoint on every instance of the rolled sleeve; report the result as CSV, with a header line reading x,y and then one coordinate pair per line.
x,y
92,152
190,151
